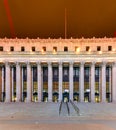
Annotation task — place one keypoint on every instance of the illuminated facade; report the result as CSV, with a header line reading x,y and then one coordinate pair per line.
x,y
38,70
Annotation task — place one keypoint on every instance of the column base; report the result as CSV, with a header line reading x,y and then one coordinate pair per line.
x,y
28,101
81,101
59,100
7,101
39,101
18,101
103,102
50,100
113,102
92,101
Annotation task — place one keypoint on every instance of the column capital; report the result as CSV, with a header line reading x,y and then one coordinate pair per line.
x,y
28,63
71,63
82,63
93,63
38,63
6,63
49,63
17,63
114,64
60,63
104,63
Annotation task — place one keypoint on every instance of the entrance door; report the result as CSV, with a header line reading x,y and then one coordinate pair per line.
x,y
76,96
45,96
86,96
65,97
55,97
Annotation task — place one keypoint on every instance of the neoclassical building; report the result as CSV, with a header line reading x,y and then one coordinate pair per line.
x,y
41,70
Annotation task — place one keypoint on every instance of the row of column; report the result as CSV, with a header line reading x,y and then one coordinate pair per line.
x,y
39,82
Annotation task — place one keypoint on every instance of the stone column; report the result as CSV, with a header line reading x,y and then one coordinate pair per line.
x,y
92,82
100,88
50,82
2,82
7,82
60,81
71,80
110,82
39,81
81,82
18,82
22,83
12,83
32,85
28,82
103,82
114,82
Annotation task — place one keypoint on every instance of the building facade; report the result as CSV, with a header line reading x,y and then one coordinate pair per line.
x,y
41,70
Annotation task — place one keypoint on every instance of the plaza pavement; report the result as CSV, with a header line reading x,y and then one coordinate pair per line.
x,y
45,116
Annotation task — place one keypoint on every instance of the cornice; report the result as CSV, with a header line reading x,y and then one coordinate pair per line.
x,y
71,40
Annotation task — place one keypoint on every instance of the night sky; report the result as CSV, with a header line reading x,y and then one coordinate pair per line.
x,y
45,18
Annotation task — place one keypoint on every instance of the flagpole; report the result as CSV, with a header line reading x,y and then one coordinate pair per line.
x,y
65,28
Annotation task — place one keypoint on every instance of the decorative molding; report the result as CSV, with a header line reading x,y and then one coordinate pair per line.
x,y
49,40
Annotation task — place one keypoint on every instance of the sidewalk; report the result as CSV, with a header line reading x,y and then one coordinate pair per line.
x,y
45,116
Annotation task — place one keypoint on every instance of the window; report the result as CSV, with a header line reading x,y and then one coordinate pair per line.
x,y
65,48
22,48
109,48
54,49
76,72
55,72
98,48
86,72
87,48
77,49
96,71
45,71
11,48
65,72
43,49
1,48
107,71
33,48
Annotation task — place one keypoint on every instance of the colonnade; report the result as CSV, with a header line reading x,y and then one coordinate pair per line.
x,y
8,79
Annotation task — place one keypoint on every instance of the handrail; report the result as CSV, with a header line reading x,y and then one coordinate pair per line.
x,y
75,107
60,107
68,108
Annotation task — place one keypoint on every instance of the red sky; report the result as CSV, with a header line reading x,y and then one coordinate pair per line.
x,y
45,18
